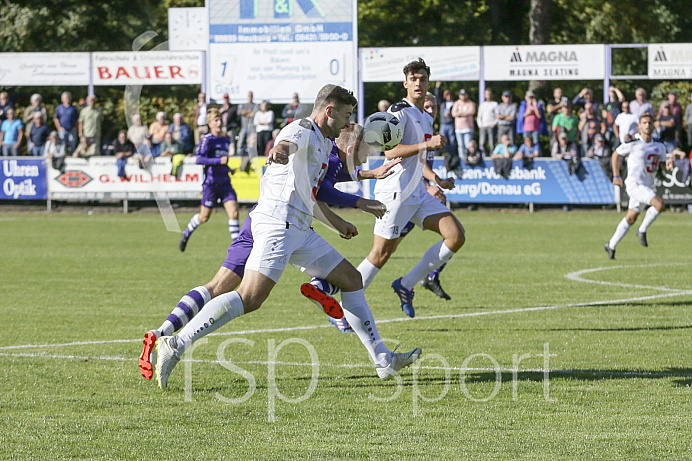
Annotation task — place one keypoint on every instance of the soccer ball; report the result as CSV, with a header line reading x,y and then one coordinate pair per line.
x,y
382,131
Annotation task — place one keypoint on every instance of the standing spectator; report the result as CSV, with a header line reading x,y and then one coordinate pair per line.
x,y
290,112
85,148
554,108
264,124
527,152
445,103
640,105
590,124
5,105
383,105
602,152
199,115
11,134
665,125
180,132
502,156
463,111
123,149
487,120
247,113
157,131
137,132
229,120
55,151
567,150
270,144
506,116
33,107
585,96
530,117
66,117
611,109
688,122
625,124
89,123
567,123
675,111
38,133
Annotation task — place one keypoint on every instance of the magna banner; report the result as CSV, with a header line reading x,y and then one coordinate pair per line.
x,y
23,179
670,60
547,182
448,63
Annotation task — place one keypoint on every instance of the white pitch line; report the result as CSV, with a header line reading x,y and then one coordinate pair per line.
x,y
575,276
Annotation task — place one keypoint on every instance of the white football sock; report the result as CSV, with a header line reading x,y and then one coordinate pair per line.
x,y
368,271
650,216
215,314
620,232
360,318
234,228
436,255
193,224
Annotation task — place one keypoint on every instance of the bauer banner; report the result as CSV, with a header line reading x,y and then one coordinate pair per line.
x,y
448,63
544,62
23,179
670,60
547,182
44,69
97,178
147,68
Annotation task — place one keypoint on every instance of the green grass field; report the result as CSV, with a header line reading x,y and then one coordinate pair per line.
x,y
79,291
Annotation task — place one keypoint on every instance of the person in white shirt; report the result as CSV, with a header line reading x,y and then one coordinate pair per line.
x,y
643,158
487,120
625,124
405,194
264,124
282,235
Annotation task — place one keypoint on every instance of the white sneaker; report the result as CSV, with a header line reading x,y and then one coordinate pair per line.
x,y
399,361
165,362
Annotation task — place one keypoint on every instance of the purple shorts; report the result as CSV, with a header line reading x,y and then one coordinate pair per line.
x,y
240,249
408,228
211,194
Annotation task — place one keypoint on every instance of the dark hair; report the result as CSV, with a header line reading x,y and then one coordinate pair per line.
x,y
645,115
416,66
334,94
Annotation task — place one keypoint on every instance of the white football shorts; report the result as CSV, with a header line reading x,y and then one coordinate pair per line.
x,y
414,209
639,194
277,244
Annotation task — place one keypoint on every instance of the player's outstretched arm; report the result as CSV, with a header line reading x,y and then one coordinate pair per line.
x,y
379,172
374,207
328,217
280,152
409,150
431,176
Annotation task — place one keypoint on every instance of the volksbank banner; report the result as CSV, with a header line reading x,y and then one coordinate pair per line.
x,y
547,182
544,62
23,179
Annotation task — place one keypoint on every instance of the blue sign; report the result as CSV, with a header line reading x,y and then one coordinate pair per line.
x,y
23,179
547,182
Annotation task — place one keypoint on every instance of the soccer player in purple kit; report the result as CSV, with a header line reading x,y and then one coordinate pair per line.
x,y
213,155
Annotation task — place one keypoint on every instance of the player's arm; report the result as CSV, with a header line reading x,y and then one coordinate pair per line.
x,y
615,164
410,150
379,172
327,216
280,152
330,195
203,159
431,176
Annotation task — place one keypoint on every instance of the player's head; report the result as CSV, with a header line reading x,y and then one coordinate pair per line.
x,y
430,105
646,123
333,109
417,74
214,120
352,149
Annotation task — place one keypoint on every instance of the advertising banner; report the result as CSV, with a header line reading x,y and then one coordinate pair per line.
x,y
447,63
275,48
670,60
672,189
44,69
147,68
547,182
544,62
97,178
23,178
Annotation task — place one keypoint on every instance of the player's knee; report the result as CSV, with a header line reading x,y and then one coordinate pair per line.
x,y
456,239
631,219
380,257
659,205
203,219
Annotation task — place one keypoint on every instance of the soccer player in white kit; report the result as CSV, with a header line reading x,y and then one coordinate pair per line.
x,y
405,195
282,235
643,157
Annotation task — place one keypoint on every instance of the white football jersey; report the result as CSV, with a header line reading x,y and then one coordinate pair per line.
x,y
417,127
287,192
642,160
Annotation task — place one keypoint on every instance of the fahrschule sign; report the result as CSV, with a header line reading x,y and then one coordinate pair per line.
x,y
544,62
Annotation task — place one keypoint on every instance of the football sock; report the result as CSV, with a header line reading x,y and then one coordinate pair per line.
x,y
360,318
620,232
217,313
188,306
192,225
234,228
436,255
650,216
434,275
368,271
